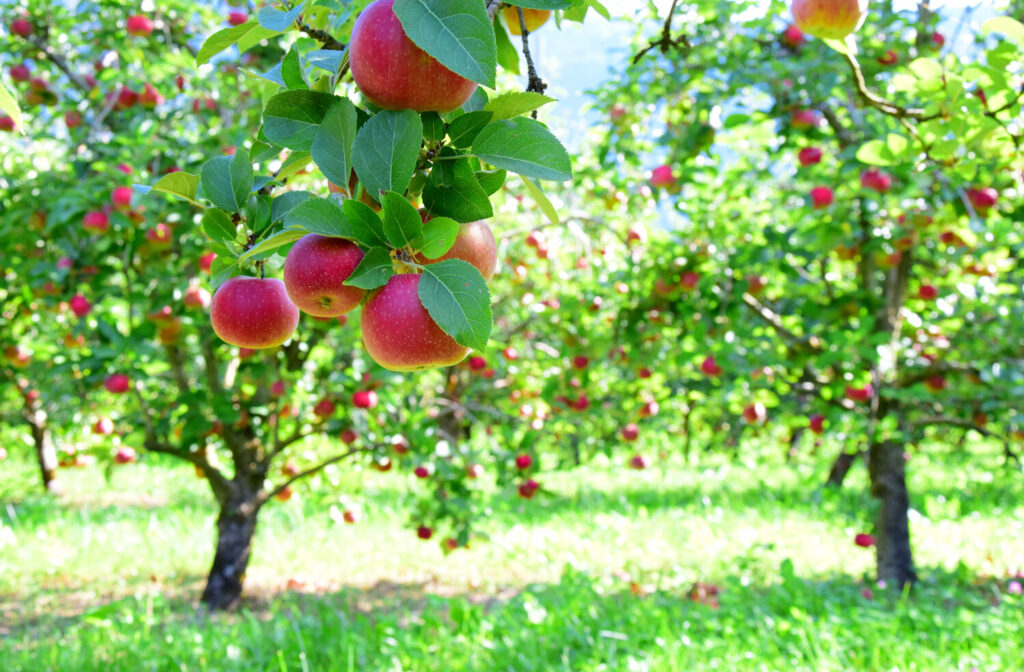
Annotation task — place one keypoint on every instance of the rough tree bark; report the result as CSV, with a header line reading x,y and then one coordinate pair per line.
x,y
236,527
887,467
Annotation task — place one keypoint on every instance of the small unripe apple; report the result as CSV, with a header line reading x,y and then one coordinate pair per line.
x,y
139,26
395,74
534,19
253,312
314,275
364,399
829,19
399,333
117,383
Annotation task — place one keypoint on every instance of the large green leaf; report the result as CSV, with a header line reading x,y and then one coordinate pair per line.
x,y
319,215
438,236
218,225
181,184
279,239
332,145
402,223
457,33
246,34
514,103
456,296
457,193
227,180
292,118
373,271
523,146
385,150
366,224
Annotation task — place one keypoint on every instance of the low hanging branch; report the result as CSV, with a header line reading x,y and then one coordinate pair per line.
x,y
665,41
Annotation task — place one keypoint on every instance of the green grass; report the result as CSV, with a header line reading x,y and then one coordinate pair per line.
x,y
594,575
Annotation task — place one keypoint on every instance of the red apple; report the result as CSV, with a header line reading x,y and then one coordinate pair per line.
x,y
860,393
829,19
938,40
617,112
510,354
103,427
935,383
983,199
6,123
638,462
278,389
73,119
121,197
809,156
20,73
817,424
424,532
890,58
803,118
474,471
349,436
689,280
349,516
124,455
477,363
314,275
253,312
523,461
528,489
21,27
364,399
709,367
474,244
630,432
649,409
160,235
393,73
237,18
793,37
196,297
755,413
580,362
139,26
206,261
927,292
324,408
150,97
400,445
644,372
421,472
876,180
96,221
80,305
821,197
399,333
662,177
117,383
864,540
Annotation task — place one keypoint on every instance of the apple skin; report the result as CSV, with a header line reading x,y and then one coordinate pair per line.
x,y
399,333
139,26
20,73
523,461
877,180
662,177
253,313
816,424
196,297
927,292
864,540
314,273
80,305
534,18
793,37
21,27
860,393
803,118
364,399
424,532
638,462
96,221
630,432
237,18
829,19
395,74
474,244
117,383
528,489
710,367
809,156
821,197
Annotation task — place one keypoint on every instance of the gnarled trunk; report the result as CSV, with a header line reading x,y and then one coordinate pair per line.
x,y
886,465
236,526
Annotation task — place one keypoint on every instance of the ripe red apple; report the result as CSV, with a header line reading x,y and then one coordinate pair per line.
x,y
755,413
79,305
424,532
821,197
617,112
829,19
709,367
534,19
6,123
103,427
474,244
350,436
935,383
644,372
324,408
96,221
793,37
860,393
117,383
284,495
349,516
150,97
528,489
630,432
20,73
876,180
160,235
124,455
474,471
421,472
73,119
809,156
253,312
510,354
938,40
864,540
393,73
983,199
689,280
803,118
364,399
581,404
756,284
927,292
580,362
237,18
196,297
662,177
139,25
399,333
21,27
523,461
477,363
383,464
817,424
649,409
206,261
314,275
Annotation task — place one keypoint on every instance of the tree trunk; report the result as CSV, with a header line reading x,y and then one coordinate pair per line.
x,y
887,467
236,526
46,453
840,468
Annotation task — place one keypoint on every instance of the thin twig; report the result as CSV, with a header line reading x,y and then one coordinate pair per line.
x,y
534,83
665,41
879,103
265,496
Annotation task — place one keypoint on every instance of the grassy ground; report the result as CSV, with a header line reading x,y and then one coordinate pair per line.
x,y
610,570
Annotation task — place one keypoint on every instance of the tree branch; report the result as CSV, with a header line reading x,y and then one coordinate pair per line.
x,y
665,41
322,36
876,101
265,496
534,83
60,62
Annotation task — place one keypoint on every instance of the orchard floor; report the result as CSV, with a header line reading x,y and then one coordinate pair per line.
x,y
597,573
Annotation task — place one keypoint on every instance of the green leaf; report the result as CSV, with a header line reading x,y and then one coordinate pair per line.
x,y
402,223
385,150
438,236
523,146
276,20
491,180
463,130
227,180
279,239
222,39
295,162
433,126
541,4
319,215
515,103
542,201
180,184
373,271
365,223
217,225
284,203
9,105
291,71
458,33
332,144
326,59
223,267
292,118
456,296
1011,28
455,192
508,55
